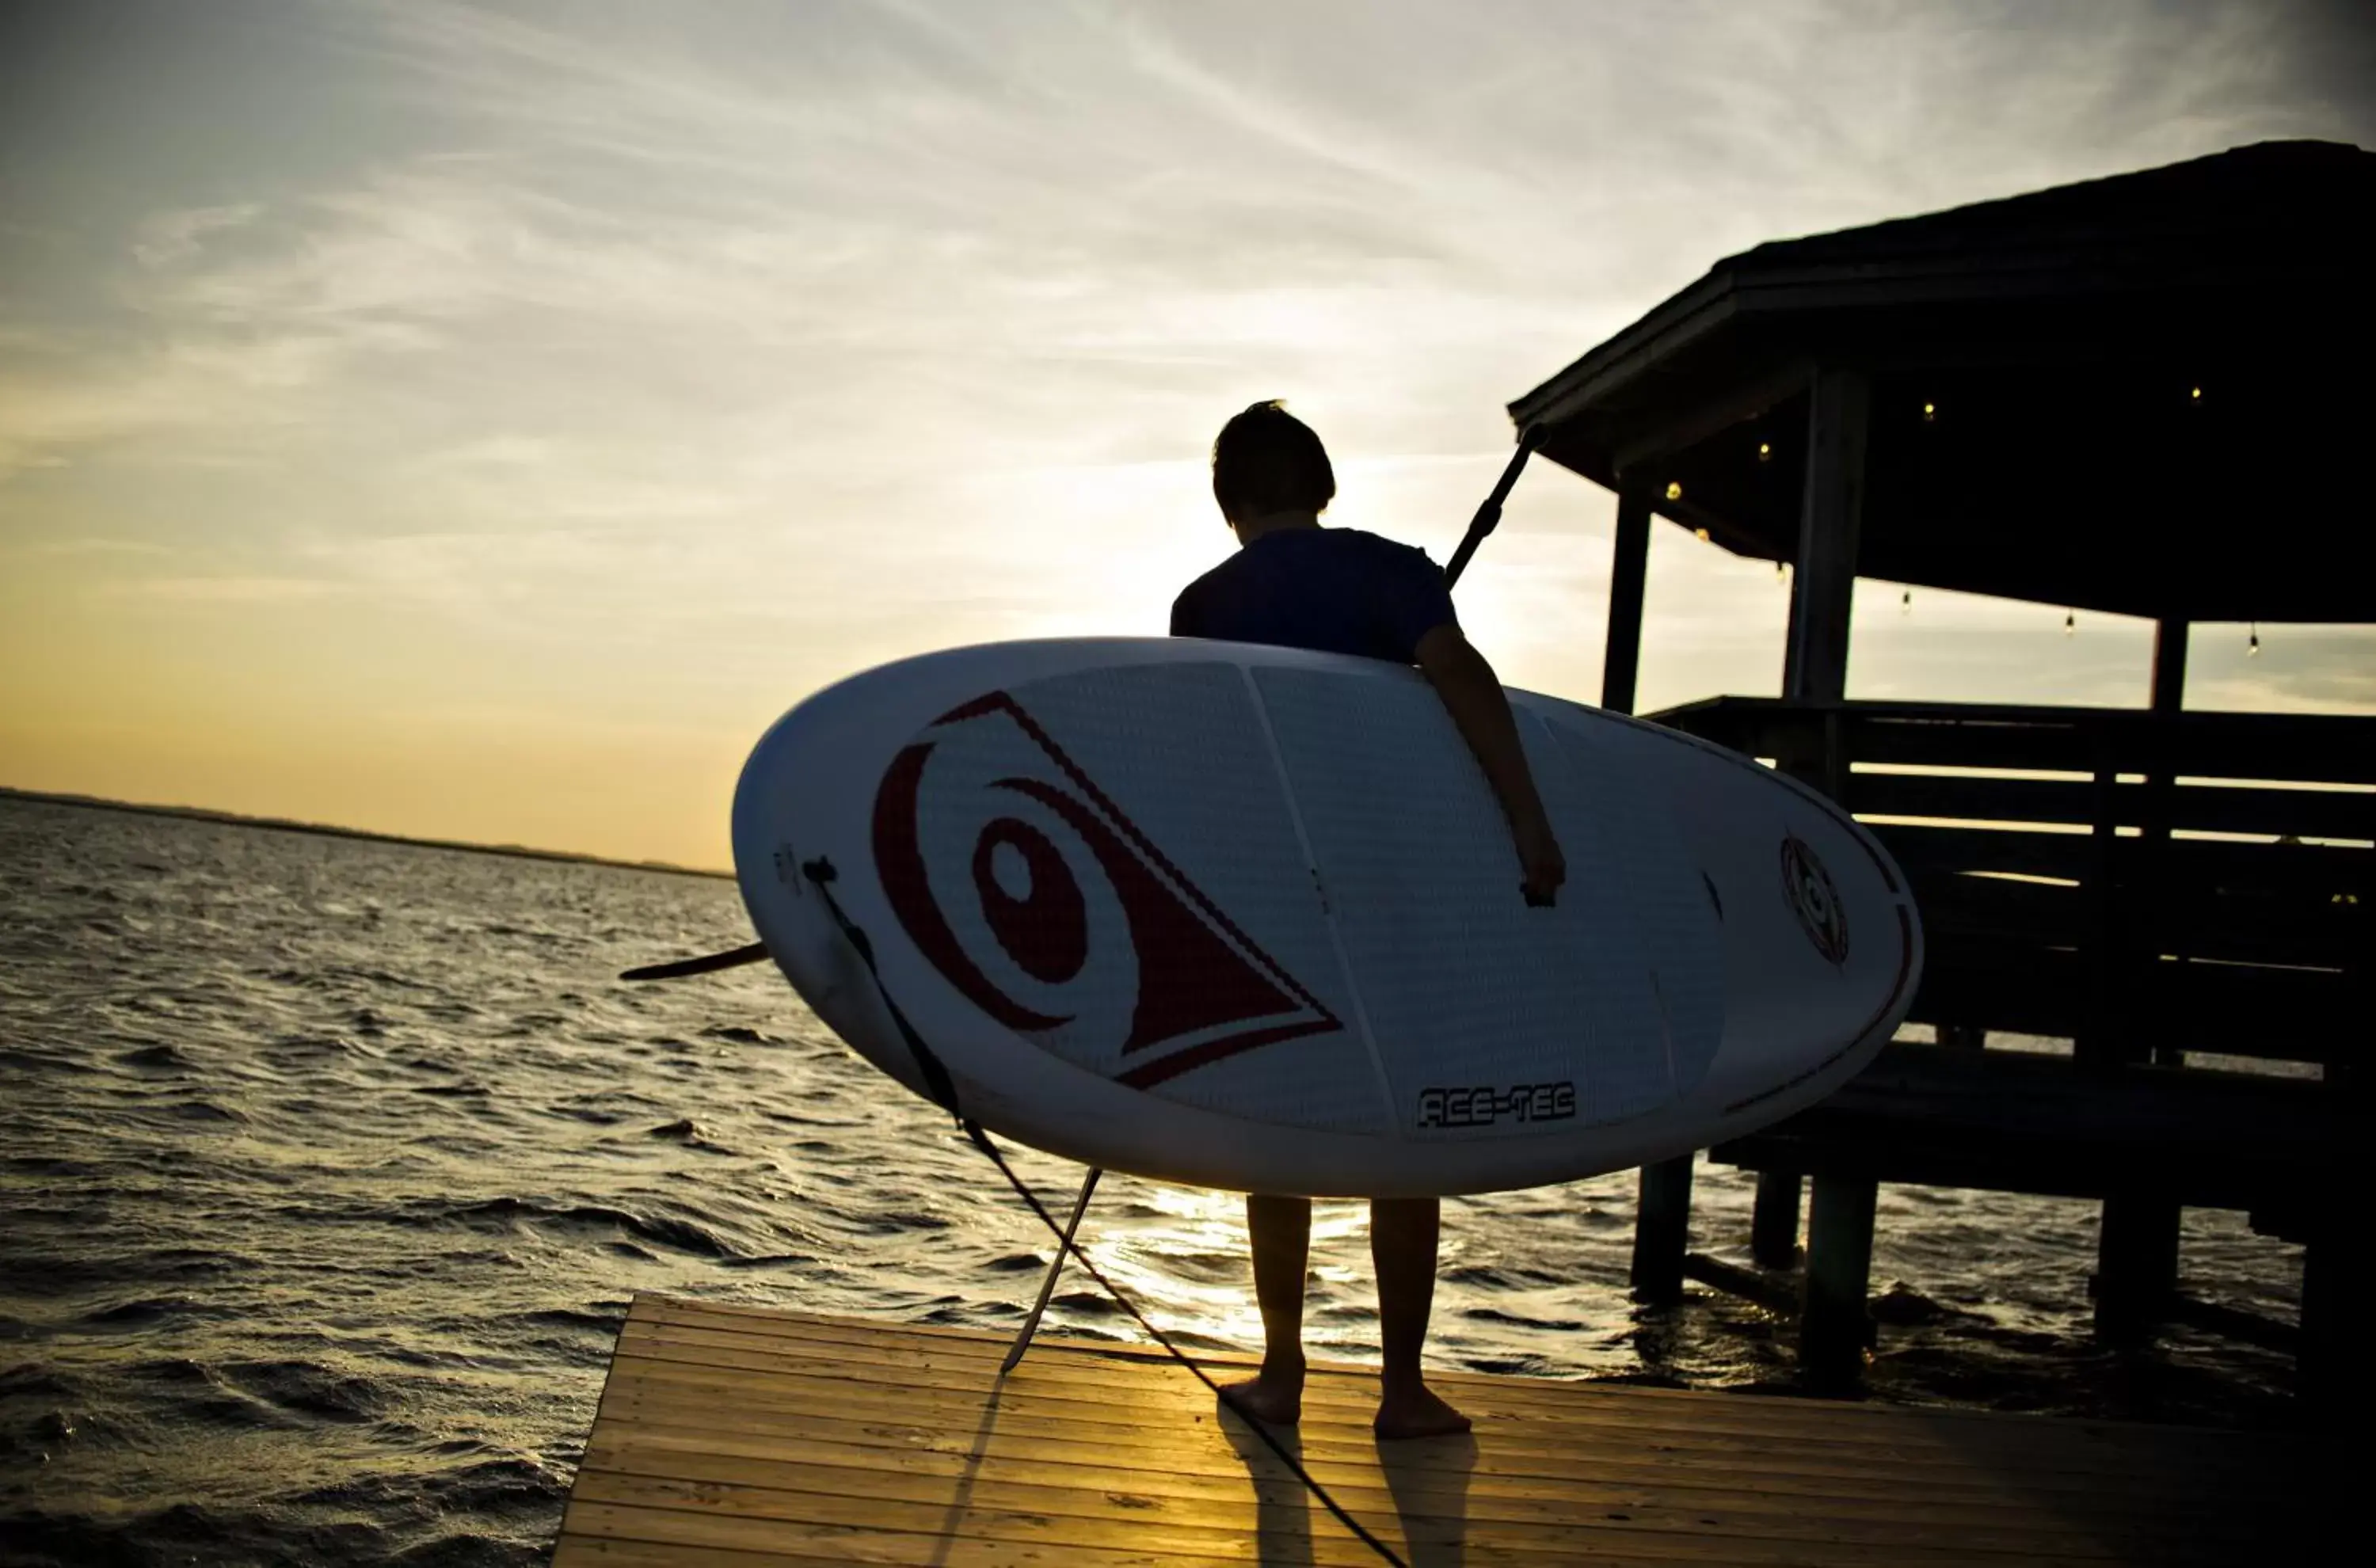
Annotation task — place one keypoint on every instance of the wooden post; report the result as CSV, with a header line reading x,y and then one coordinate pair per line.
x,y
1628,574
1662,1224
2136,1246
1773,1225
1834,1325
1815,665
1816,661
2170,666
2331,1376
1662,1231
2136,1265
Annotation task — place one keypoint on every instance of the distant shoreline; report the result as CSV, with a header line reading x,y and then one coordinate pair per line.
x,y
323,830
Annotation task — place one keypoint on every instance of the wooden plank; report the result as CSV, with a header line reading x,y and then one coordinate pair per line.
x,y
1345,1400
1219,1528
1172,1397
1513,1462
690,1452
2325,748
2303,814
1620,1479
1637,1403
1101,1367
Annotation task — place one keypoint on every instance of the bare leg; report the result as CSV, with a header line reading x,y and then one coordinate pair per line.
x,y
1402,1247
1281,1230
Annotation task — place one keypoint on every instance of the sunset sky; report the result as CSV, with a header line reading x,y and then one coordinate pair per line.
x,y
483,423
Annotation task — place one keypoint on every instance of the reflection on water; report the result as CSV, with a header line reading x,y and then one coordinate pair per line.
x,y
327,1168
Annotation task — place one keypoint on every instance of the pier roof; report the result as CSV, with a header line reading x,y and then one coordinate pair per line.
x,y
2148,394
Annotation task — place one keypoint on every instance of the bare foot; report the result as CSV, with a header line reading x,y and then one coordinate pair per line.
x,y
1275,1398
1416,1411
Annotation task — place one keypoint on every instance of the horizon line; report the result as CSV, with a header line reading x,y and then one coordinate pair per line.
x,y
333,830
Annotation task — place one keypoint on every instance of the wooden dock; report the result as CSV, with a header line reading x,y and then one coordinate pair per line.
x,y
730,1437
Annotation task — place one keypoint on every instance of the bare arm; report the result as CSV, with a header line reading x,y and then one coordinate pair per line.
x,y
1472,694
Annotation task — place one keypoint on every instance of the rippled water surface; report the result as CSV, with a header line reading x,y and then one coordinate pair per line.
x,y
327,1168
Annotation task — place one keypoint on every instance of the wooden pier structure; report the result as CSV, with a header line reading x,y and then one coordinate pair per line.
x,y
733,1437
2144,395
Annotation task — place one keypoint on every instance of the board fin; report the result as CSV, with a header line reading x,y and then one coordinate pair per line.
x,y
709,963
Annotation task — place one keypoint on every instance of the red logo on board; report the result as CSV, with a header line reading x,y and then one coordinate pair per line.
x,y
990,811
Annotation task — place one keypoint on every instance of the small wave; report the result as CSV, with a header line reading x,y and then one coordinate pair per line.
x,y
1515,1366
205,1110
1016,1262
147,1310
30,1380
664,1230
309,1389
1519,1320
470,1549
688,1133
565,1317
455,1091
156,1059
738,1035
1901,1306
1089,1303
44,1164
1491,1277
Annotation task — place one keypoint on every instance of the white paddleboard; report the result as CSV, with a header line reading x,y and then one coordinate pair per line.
x,y
1248,917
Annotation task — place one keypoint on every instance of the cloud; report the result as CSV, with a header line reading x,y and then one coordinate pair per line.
x,y
166,238
225,590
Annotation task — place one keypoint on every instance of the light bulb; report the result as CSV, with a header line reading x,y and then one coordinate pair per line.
x,y
1766,451
1700,534
1674,490
2070,622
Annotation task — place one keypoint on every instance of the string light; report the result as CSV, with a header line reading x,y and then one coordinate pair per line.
x,y
2194,394
1700,534
1906,602
1766,451
2253,647
1930,414
1779,571
2070,622
1674,490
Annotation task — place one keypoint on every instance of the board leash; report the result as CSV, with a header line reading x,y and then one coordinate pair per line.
x,y
943,1090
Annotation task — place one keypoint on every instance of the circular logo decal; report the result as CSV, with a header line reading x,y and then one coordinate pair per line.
x,y
1047,907
1809,888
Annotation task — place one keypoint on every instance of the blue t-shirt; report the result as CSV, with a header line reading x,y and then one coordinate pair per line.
x,y
1331,590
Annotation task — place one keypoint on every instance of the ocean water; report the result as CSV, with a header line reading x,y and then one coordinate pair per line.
x,y
327,1168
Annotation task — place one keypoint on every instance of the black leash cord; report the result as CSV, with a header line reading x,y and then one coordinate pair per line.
x,y
981,1141
821,873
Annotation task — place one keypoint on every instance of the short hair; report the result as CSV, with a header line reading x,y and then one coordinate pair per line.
x,y
1267,460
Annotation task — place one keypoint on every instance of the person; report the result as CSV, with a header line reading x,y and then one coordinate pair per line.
x,y
1296,584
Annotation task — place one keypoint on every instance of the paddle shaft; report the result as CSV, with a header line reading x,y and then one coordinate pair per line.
x,y
1489,515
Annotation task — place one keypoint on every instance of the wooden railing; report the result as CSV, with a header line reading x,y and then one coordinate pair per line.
x,y
2145,884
